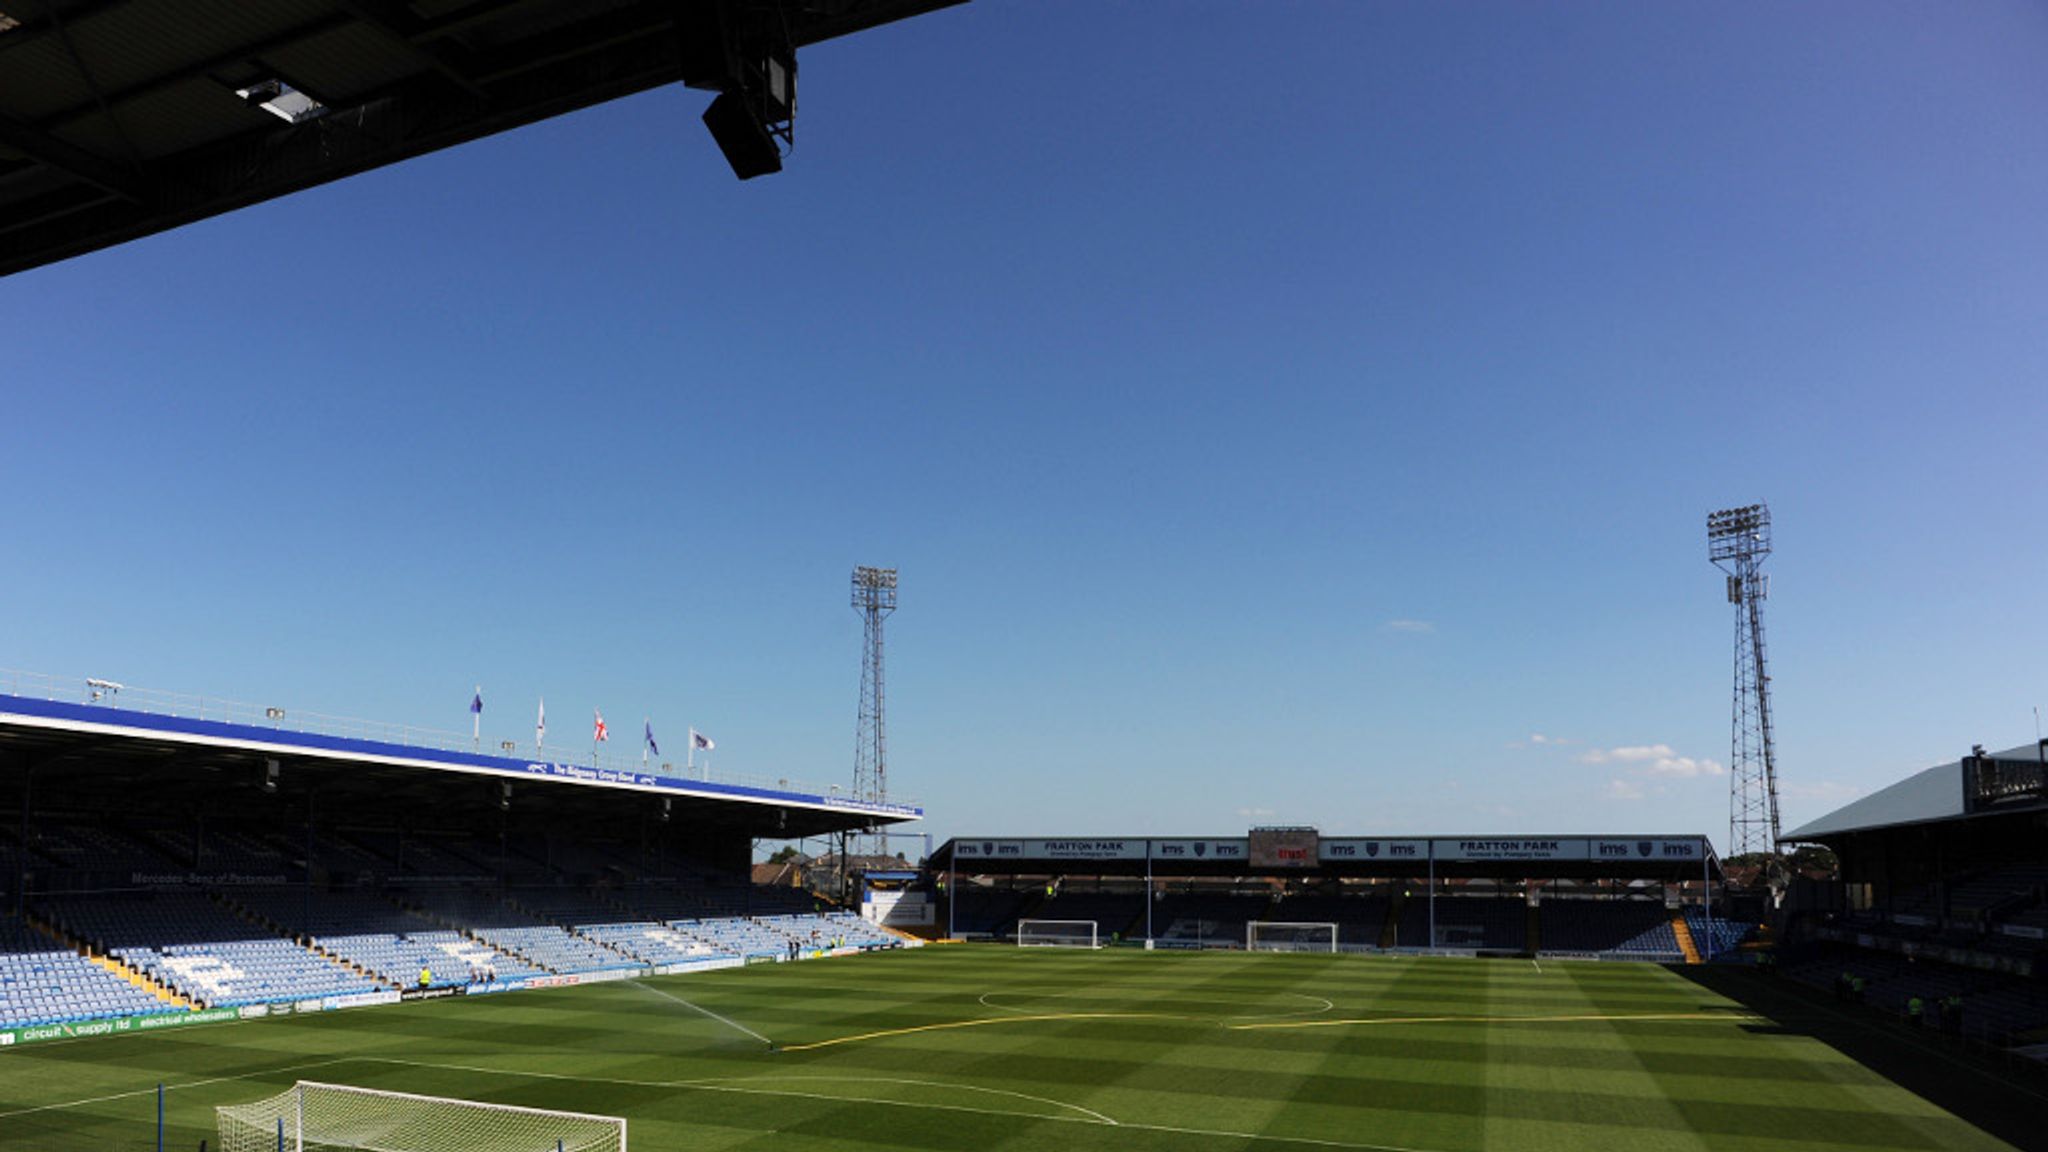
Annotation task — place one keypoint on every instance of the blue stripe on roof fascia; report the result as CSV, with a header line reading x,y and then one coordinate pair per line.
x,y
260,739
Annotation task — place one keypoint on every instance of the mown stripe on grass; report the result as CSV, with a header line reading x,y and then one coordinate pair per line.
x,y
1573,1018
950,1025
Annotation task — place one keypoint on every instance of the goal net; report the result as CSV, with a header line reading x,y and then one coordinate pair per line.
x,y
1289,936
1057,934
314,1117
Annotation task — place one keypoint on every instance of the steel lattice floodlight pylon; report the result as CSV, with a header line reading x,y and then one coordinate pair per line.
x,y
874,596
1738,539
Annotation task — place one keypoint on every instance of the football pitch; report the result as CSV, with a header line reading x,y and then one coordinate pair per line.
x,y
973,1049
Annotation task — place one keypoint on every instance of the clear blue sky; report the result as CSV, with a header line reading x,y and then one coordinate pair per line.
x,y
1279,412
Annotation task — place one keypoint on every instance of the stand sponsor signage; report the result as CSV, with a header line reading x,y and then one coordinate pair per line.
x,y
1228,851
896,908
709,964
1509,848
1355,849
201,879
356,1000
115,1027
966,849
489,986
1648,848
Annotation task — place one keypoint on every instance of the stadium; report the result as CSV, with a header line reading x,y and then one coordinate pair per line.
x,y
222,927
242,925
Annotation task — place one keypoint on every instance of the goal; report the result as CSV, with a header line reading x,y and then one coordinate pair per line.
x,y
1057,934
315,1117
1289,936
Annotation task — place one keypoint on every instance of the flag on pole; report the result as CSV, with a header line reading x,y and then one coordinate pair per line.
x,y
476,702
600,734
476,716
540,725
649,734
700,742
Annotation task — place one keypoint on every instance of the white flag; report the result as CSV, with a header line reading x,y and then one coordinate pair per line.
x,y
540,725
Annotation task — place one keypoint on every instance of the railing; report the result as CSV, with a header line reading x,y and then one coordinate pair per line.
x,y
111,694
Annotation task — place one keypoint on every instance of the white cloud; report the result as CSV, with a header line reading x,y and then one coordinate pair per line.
x,y
1417,627
1620,789
1256,813
1653,760
1553,741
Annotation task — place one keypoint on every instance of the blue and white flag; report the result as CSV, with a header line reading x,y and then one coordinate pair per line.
x,y
476,702
700,741
649,725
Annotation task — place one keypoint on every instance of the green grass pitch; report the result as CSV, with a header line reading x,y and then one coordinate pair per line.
x,y
979,1049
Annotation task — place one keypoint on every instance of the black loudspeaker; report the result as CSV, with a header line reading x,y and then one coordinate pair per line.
x,y
742,137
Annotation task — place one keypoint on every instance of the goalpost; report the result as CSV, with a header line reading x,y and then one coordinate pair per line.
x,y
1057,934
315,1117
1289,936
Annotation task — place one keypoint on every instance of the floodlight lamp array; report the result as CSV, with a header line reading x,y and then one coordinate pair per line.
x,y
1744,531
874,587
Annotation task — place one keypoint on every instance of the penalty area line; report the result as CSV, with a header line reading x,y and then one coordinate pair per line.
x,y
730,1023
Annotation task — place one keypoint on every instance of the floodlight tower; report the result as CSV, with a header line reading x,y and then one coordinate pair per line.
x,y
874,596
1738,539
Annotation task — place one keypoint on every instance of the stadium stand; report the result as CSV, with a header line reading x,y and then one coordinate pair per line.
x,y
1115,913
1209,919
195,945
1360,919
983,911
42,983
1717,935
1478,922
1626,927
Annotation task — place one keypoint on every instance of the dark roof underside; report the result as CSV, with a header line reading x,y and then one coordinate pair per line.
x,y
90,777
121,118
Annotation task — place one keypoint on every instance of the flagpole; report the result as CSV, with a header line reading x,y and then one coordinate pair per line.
x,y
646,726
690,764
476,722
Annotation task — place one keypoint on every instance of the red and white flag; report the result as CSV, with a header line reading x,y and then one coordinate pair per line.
x,y
601,734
